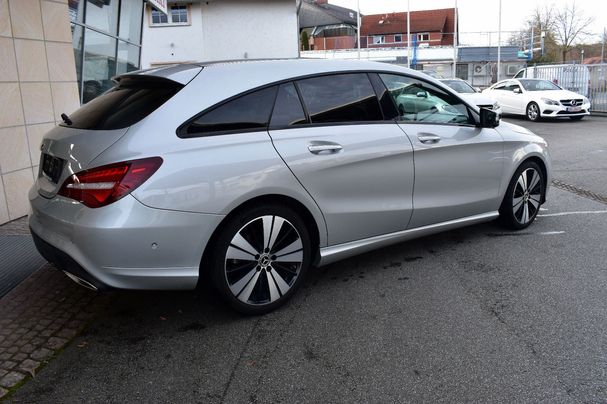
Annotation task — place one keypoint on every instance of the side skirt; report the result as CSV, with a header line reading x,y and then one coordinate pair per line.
x,y
340,251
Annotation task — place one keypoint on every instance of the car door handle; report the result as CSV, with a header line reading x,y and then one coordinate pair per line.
x,y
428,138
329,148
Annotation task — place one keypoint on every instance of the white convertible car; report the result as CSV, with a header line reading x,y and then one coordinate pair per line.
x,y
537,99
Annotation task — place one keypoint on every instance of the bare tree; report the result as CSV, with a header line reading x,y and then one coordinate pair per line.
x,y
542,20
570,25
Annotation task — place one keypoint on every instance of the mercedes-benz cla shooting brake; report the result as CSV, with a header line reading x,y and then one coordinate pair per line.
x,y
249,173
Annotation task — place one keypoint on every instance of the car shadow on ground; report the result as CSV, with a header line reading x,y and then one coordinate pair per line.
x,y
187,311
521,120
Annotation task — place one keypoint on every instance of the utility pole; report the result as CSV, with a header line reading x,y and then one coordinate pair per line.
x,y
499,43
358,26
455,38
603,46
408,33
542,37
582,61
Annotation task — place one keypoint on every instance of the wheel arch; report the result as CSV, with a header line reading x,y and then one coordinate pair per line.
x,y
310,222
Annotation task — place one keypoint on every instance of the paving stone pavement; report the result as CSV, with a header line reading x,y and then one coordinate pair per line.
x,y
39,317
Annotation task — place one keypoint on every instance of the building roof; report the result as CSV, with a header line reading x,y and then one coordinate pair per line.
x,y
396,23
316,13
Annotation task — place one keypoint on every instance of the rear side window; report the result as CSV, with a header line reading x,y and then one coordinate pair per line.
x,y
248,112
124,105
340,98
287,109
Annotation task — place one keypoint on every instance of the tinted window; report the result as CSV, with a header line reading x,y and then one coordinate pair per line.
x,y
419,101
287,109
247,112
124,105
340,98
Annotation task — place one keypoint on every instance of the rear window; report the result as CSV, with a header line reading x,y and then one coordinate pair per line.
x,y
124,105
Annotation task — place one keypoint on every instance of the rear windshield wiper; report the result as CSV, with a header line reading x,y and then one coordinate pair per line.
x,y
66,118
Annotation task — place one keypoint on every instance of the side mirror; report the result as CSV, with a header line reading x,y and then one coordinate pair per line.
x,y
478,89
422,94
517,90
489,119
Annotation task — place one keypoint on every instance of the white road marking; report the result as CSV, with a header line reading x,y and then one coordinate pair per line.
x,y
543,209
583,212
550,233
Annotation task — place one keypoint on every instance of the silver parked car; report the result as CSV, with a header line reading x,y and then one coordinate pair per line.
x,y
252,172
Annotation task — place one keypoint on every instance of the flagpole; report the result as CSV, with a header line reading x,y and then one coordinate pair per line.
x,y
408,33
499,43
358,26
455,38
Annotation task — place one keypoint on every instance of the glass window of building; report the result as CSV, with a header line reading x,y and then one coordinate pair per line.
x,y
178,14
106,36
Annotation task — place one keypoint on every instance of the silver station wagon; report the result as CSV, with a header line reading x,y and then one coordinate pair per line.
x,y
246,174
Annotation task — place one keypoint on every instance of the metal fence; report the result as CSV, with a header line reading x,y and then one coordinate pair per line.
x,y
589,80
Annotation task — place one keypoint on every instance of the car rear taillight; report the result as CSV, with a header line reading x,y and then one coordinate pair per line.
x,y
103,185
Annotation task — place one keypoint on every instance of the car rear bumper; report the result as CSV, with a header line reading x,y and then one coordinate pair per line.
x,y
125,245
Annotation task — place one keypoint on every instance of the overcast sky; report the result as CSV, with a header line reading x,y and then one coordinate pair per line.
x,y
482,15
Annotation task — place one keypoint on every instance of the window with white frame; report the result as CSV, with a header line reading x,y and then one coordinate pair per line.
x,y
378,39
398,38
423,37
177,14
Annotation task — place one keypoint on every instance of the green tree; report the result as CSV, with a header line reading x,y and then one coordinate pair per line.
x,y
305,41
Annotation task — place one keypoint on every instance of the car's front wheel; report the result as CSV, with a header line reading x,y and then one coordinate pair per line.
x,y
533,112
523,197
260,258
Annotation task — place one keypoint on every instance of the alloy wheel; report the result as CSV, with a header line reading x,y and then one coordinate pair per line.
x,y
533,112
263,260
527,196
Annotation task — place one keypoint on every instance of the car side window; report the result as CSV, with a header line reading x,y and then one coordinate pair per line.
x,y
501,86
248,112
419,101
287,108
340,98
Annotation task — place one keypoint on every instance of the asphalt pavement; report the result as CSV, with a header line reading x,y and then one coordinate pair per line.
x,y
473,315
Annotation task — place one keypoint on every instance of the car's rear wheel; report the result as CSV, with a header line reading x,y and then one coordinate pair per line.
x,y
576,118
523,197
260,258
533,112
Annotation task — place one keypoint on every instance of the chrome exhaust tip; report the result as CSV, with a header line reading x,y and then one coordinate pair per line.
x,y
81,281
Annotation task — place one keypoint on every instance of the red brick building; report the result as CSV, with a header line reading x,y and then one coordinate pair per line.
x,y
430,27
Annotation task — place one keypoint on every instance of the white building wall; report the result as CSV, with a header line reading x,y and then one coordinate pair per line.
x,y
224,30
163,44
238,29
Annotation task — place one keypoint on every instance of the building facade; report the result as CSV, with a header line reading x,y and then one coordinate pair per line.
x,y
37,83
327,26
54,54
220,30
428,28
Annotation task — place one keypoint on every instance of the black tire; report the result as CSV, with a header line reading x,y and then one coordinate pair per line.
x,y
265,289
576,118
512,211
533,112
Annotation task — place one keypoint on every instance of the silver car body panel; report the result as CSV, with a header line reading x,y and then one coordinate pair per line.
x,y
78,147
154,238
457,175
126,244
364,186
183,73
345,250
